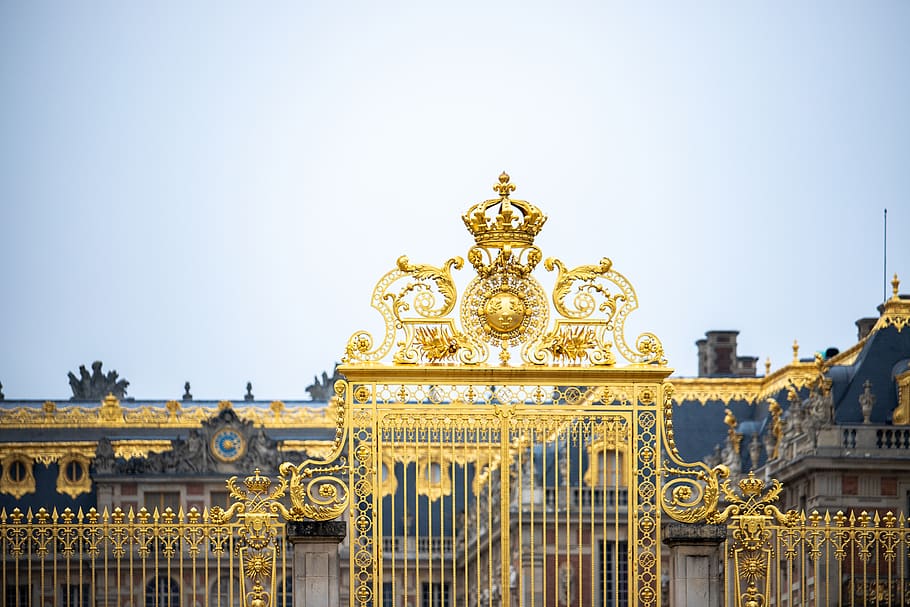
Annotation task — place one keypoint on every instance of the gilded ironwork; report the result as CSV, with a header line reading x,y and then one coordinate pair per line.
x,y
470,468
114,554
798,558
315,486
504,307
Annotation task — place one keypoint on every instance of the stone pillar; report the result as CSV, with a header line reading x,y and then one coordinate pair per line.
x,y
316,566
696,564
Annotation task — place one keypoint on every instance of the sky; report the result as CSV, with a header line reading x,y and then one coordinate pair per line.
x,y
209,191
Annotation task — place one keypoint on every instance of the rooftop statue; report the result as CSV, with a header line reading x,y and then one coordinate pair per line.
x,y
97,385
323,390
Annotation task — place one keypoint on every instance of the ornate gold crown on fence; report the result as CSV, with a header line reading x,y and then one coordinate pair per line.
x,y
516,223
504,306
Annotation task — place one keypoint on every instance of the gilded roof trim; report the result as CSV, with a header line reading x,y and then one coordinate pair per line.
x,y
169,414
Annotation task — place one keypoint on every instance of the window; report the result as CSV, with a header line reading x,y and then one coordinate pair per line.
x,y
74,595
73,471
434,595
220,498
161,500
613,466
17,471
225,593
73,476
17,479
615,573
388,593
433,480
162,592
606,468
17,596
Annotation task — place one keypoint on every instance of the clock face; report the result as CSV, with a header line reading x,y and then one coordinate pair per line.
x,y
228,445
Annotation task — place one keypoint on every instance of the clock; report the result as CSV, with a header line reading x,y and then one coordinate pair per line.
x,y
228,445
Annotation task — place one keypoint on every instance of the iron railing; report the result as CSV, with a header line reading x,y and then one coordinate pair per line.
x,y
160,559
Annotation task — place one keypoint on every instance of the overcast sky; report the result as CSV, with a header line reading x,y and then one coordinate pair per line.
x,y
208,191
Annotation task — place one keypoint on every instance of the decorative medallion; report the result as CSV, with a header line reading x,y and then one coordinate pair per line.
x,y
504,310
228,445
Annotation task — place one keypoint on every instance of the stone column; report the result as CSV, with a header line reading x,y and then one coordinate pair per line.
x,y
316,565
696,564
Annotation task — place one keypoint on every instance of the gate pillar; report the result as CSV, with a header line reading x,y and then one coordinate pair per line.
x,y
316,565
696,564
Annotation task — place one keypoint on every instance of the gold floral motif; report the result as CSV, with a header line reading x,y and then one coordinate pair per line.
x,y
438,344
571,345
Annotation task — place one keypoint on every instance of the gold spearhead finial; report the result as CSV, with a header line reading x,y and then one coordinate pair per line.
x,y
895,284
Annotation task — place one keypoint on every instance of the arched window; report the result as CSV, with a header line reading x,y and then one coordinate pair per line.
x,y
162,592
225,593
434,473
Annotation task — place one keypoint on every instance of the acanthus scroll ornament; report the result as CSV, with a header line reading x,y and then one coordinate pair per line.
x,y
504,307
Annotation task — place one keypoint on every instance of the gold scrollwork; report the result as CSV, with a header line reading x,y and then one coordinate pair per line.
x,y
426,283
615,306
583,304
424,300
315,493
692,494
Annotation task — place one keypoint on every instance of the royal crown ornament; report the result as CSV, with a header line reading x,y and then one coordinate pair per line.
x,y
516,223
503,307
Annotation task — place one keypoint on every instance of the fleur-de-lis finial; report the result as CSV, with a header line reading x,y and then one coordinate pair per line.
x,y
795,351
504,188
895,284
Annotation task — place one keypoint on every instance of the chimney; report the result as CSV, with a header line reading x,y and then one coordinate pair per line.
x,y
717,356
864,327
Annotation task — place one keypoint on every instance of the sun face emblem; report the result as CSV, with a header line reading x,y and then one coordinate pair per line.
x,y
504,312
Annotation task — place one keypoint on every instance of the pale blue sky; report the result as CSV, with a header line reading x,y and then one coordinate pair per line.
x,y
209,191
